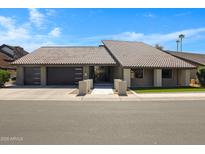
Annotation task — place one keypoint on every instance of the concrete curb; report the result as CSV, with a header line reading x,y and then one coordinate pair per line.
x,y
133,92
81,99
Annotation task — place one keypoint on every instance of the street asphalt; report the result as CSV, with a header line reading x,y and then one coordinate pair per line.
x,y
61,122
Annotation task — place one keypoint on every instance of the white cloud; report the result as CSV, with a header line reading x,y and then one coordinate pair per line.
x,y
149,15
24,34
55,32
182,14
150,38
50,12
11,31
160,38
18,33
36,17
35,44
6,22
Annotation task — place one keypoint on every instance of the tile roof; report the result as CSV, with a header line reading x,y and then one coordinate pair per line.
x,y
192,57
138,54
67,55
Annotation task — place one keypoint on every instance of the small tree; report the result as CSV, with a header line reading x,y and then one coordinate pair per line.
x,y
201,76
4,77
159,47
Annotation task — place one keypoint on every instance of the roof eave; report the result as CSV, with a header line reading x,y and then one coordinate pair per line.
x,y
165,67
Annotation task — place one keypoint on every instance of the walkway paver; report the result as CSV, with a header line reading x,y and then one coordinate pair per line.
x,y
102,91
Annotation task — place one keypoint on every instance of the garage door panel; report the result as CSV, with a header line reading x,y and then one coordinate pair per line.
x,y
78,74
32,76
63,75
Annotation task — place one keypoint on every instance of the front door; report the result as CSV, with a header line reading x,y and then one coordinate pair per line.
x,y
101,74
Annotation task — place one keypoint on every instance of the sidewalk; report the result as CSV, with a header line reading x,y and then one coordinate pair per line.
x,y
146,97
172,96
66,94
113,97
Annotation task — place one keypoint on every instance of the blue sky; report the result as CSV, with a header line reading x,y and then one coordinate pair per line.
x,y
32,28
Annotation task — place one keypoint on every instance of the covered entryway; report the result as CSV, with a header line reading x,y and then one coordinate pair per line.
x,y
101,74
64,75
32,76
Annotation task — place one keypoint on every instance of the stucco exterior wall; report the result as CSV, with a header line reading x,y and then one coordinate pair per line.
x,y
157,77
193,73
19,75
146,81
184,77
117,72
127,76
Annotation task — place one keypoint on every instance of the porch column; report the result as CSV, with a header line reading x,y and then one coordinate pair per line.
x,y
20,75
127,76
157,77
185,77
43,75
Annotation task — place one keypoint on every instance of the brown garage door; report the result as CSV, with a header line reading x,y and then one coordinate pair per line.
x,y
64,75
32,76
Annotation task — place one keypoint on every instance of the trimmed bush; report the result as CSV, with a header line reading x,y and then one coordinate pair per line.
x,y
4,77
201,76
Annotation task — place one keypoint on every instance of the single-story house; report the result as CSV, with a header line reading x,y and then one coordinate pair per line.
x,y
194,58
139,64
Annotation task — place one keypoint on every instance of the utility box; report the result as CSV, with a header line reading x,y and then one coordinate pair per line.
x,y
122,91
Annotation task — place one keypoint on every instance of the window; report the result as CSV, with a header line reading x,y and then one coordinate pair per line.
x,y
167,73
138,73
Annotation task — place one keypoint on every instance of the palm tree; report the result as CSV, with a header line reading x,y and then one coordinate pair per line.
x,y
181,36
177,41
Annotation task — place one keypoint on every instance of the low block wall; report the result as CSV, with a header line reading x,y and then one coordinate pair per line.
x,y
122,91
83,87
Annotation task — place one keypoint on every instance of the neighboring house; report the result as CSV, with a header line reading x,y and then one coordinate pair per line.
x,y
139,64
9,54
194,58
5,61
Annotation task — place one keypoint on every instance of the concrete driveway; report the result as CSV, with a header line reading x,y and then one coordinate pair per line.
x,y
70,94
60,94
37,93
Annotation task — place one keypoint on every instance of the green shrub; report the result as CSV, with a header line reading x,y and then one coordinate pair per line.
x,y
4,77
201,75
